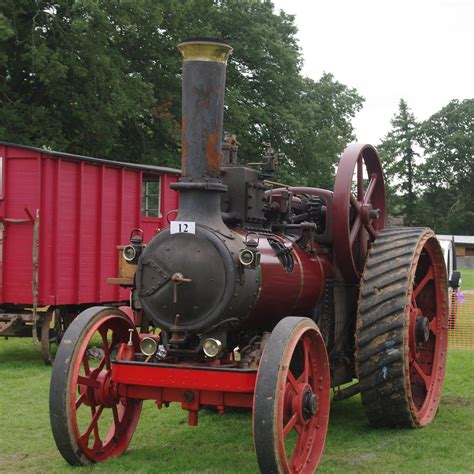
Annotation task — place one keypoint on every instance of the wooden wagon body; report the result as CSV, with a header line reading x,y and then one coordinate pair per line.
x,y
61,218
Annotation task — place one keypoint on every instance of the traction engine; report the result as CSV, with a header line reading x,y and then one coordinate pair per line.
x,y
262,296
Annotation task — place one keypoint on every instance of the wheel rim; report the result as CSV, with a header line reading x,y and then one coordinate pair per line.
x,y
296,419
90,421
427,334
357,218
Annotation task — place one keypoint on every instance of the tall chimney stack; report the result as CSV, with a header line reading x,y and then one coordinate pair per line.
x,y
204,69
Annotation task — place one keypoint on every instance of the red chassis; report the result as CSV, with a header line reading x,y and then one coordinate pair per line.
x,y
192,386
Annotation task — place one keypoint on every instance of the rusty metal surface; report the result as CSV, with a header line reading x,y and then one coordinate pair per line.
x,y
203,109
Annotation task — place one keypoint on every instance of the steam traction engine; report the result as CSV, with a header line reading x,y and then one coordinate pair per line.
x,y
265,297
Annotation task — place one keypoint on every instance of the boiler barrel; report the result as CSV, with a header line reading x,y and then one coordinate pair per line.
x,y
287,293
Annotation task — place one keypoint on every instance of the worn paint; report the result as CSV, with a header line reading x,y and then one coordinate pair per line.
x,y
184,145
213,154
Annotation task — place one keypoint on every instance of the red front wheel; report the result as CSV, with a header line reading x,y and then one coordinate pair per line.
x,y
90,422
291,402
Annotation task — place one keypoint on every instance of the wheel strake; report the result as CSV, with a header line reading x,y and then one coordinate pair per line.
x,y
90,422
291,401
402,328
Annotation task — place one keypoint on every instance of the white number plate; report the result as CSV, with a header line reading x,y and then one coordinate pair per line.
x,y
180,227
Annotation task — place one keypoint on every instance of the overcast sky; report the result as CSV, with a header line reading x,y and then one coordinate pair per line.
x,y
419,50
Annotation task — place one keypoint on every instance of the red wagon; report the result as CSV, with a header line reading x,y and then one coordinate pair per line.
x,y
61,218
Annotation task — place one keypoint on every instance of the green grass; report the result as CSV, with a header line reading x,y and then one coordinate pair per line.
x,y
467,275
223,444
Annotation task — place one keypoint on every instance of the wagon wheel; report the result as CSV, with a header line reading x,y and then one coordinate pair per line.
x,y
90,422
51,334
402,328
358,214
291,401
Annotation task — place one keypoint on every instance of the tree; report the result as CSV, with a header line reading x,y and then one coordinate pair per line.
x,y
448,171
398,152
102,77
267,99
323,129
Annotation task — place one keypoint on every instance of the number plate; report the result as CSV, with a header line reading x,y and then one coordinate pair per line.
x,y
180,227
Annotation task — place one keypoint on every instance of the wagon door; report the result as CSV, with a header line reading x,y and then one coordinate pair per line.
x,y
20,203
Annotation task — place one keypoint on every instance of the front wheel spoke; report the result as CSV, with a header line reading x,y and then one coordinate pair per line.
x,y
425,377
80,400
289,426
106,347
304,377
116,415
293,382
423,282
85,363
87,381
307,362
105,361
93,424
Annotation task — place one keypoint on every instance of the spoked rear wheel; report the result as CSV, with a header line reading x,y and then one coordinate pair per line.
x,y
402,328
90,422
291,402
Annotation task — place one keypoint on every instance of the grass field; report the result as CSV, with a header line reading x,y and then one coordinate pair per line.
x,y
223,444
467,275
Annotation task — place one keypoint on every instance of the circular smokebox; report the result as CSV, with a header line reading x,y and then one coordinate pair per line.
x,y
165,268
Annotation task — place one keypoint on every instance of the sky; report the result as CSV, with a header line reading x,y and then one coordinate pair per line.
x,y
418,50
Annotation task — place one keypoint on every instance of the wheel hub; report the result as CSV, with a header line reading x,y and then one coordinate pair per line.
x,y
422,329
102,393
310,404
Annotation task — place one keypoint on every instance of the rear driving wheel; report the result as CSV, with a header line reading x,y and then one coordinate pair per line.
x,y
402,328
90,422
291,401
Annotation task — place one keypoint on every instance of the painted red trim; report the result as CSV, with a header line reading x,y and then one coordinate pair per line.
x,y
199,378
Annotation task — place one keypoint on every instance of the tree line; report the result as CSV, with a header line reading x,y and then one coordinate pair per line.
x,y
103,78
429,166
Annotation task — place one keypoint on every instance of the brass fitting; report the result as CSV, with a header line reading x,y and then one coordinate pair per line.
x,y
205,50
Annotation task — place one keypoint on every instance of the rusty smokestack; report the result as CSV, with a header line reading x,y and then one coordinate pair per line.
x,y
204,69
